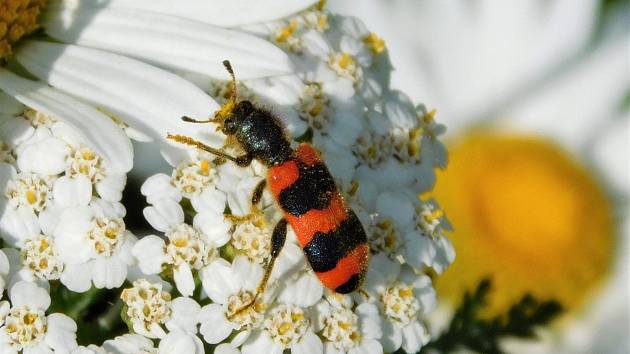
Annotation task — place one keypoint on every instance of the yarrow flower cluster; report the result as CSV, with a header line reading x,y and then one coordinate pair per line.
x,y
186,283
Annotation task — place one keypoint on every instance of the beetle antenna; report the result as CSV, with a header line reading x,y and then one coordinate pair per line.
x,y
228,67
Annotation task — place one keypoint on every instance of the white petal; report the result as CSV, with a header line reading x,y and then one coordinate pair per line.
x,y
39,348
217,279
46,157
308,344
28,294
246,274
159,186
4,264
99,130
392,337
9,106
226,349
184,279
214,326
16,225
368,346
149,251
107,209
164,214
7,173
210,200
15,131
261,342
305,291
370,320
414,337
168,41
77,277
214,226
72,191
110,188
396,206
61,334
381,272
224,13
109,272
419,250
178,342
145,97
184,317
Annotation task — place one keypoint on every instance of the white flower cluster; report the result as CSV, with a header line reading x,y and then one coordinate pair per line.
x,y
381,149
62,220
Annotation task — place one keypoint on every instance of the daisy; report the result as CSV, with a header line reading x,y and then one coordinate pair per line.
x,y
25,327
105,72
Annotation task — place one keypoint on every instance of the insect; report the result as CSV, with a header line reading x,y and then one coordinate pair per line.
x,y
329,232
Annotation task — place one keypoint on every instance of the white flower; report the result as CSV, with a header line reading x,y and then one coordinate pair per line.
x,y
345,330
285,327
25,327
230,287
182,328
403,298
187,248
415,233
94,239
148,307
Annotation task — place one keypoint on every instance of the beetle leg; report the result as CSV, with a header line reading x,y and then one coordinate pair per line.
x,y
277,242
258,192
193,120
242,161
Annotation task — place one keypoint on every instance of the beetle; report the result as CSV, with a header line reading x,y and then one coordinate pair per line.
x,y
329,232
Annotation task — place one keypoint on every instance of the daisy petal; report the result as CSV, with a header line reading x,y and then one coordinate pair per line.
x,y
223,13
165,96
98,130
168,41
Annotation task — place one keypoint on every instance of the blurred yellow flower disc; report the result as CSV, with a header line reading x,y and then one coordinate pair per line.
x,y
527,214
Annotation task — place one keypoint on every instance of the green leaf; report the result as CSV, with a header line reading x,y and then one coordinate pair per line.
x,y
468,330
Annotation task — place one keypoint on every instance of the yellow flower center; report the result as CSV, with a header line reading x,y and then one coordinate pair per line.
x,y
17,19
528,215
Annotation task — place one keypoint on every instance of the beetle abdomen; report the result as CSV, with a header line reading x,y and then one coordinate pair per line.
x,y
330,233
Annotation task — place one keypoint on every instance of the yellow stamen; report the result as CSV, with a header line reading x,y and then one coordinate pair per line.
x,y
31,197
287,31
375,43
345,61
429,116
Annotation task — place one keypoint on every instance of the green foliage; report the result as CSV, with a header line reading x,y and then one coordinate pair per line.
x,y
96,312
468,330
